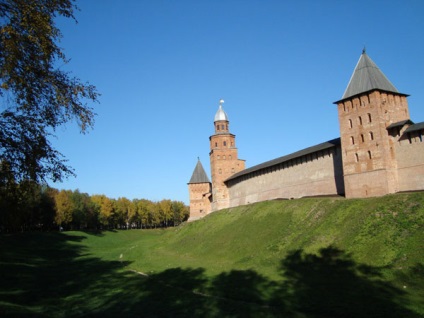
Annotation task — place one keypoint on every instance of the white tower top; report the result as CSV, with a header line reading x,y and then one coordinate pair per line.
x,y
221,114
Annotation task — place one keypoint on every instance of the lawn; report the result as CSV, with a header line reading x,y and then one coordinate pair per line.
x,y
299,258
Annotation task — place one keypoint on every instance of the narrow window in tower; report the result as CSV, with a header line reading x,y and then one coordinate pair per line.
x,y
371,136
226,127
350,123
362,138
360,120
216,144
369,118
217,127
356,157
369,155
222,127
225,144
352,140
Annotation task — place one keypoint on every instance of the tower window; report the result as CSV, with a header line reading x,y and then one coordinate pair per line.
x,y
362,138
352,140
369,155
350,123
360,120
371,136
225,144
222,127
217,127
356,157
369,118
216,144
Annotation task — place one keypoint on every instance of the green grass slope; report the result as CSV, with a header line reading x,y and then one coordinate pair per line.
x,y
312,257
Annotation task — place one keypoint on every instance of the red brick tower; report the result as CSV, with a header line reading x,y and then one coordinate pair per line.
x,y
199,188
224,159
368,107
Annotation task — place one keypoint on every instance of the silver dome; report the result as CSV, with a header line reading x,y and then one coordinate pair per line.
x,y
221,114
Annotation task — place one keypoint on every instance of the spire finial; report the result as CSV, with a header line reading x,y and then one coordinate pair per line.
x,y
198,159
364,51
221,101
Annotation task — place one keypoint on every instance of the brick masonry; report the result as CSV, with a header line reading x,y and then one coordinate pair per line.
x,y
376,156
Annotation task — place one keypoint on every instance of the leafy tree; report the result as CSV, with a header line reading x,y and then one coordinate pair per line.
x,y
143,208
64,207
106,209
36,96
126,210
135,219
165,211
180,211
46,207
148,212
84,214
26,206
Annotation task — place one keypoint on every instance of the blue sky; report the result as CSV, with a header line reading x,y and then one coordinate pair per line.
x,y
162,67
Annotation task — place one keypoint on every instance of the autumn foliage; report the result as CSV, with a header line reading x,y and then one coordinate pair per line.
x,y
36,207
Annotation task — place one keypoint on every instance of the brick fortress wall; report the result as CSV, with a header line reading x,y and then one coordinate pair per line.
x,y
315,174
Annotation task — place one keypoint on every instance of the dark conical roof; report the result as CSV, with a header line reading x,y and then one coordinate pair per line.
x,y
199,174
366,77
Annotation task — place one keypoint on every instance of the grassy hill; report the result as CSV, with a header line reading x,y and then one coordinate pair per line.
x,y
315,257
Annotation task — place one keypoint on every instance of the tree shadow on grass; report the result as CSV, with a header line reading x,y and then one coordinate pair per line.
x,y
42,273
331,284
244,294
51,275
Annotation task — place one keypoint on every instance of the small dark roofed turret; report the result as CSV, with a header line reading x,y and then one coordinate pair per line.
x,y
367,77
199,174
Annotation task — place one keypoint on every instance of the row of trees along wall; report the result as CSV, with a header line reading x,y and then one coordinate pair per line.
x,y
32,206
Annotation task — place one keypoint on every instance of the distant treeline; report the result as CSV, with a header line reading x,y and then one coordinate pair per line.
x,y
29,206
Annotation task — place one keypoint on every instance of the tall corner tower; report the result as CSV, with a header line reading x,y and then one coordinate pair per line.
x,y
223,158
370,104
199,188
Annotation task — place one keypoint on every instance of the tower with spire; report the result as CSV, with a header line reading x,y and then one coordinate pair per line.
x,y
199,188
370,105
223,158
380,151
